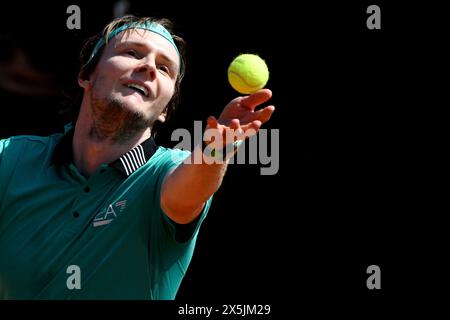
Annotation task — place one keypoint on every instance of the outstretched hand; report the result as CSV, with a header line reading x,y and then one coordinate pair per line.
x,y
241,118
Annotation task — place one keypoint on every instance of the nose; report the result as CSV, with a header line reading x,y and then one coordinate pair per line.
x,y
148,66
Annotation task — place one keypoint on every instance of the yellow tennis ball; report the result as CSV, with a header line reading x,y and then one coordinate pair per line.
x,y
248,73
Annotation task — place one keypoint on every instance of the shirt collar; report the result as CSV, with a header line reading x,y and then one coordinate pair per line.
x,y
126,163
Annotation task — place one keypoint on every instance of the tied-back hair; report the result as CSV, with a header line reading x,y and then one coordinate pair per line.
x,y
88,64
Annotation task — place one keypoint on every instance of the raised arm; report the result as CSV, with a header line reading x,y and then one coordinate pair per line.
x,y
186,189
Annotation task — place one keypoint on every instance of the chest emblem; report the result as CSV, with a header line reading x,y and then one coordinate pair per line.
x,y
111,212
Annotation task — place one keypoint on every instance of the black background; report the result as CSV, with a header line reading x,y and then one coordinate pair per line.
x,y
349,105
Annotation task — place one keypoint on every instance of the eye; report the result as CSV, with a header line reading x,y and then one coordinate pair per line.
x,y
131,53
164,68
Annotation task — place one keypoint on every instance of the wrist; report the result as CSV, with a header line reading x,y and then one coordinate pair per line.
x,y
220,153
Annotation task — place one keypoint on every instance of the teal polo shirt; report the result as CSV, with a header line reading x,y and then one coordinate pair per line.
x,y
64,236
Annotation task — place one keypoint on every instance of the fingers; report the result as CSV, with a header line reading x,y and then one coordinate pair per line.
x,y
242,131
234,129
234,124
252,124
254,121
263,115
252,101
212,122
251,128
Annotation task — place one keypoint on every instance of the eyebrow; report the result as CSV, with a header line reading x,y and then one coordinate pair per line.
x,y
172,63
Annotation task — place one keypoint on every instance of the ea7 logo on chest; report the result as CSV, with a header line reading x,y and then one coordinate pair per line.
x,y
108,215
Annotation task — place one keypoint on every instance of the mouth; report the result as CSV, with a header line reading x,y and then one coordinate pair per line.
x,y
141,89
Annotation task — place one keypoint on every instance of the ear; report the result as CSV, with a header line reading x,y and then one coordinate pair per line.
x,y
162,117
82,82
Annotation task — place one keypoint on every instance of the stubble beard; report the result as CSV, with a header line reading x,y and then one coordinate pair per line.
x,y
113,121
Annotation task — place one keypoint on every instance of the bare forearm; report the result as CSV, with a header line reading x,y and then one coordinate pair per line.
x,y
188,187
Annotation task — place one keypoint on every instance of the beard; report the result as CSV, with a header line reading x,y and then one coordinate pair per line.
x,y
115,122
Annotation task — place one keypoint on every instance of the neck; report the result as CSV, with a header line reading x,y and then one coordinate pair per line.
x,y
89,152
